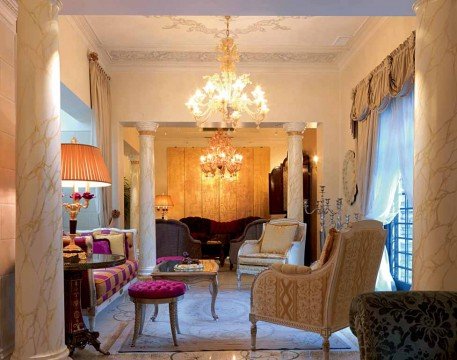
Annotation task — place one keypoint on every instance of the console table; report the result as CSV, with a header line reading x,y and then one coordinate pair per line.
x,y
76,333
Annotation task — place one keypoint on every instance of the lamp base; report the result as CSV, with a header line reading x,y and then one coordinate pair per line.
x,y
72,247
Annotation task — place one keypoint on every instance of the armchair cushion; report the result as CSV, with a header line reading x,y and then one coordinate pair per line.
x,y
291,269
277,238
117,242
327,250
261,259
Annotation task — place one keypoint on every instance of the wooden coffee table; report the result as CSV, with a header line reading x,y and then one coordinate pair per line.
x,y
166,271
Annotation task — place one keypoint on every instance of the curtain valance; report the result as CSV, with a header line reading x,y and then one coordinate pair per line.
x,y
389,79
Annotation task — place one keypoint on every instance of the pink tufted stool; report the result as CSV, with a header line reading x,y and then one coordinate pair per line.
x,y
156,292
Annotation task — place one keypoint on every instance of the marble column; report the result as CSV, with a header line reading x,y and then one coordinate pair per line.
x,y
147,228
134,191
39,305
295,170
435,147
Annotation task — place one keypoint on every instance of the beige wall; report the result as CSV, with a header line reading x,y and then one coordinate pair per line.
x,y
74,66
307,95
385,37
7,185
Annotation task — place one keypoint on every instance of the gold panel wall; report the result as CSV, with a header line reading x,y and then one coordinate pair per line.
x,y
194,194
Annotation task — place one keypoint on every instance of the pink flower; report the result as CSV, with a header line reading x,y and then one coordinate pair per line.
x,y
88,196
76,196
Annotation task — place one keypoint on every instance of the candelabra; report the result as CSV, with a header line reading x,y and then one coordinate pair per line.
x,y
323,210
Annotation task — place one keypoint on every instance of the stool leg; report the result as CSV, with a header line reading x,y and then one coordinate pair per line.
x,y
177,319
172,307
156,312
138,310
142,317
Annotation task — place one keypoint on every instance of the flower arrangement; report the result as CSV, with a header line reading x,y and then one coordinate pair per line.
x,y
74,207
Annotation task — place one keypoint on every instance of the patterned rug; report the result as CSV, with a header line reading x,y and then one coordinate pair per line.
x,y
199,332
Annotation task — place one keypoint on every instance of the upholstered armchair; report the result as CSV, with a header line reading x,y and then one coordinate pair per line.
x,y
253,231
405,325
282,242
318,300
173,239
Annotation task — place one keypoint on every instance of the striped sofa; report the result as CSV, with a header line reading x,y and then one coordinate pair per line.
x,y
101,287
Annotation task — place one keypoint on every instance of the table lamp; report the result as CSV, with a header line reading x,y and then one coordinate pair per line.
x,y
82,167
163,202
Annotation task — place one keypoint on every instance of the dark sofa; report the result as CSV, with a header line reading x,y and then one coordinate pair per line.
x,y
209,230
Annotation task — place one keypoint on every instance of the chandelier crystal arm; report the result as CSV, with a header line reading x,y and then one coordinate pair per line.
x,y
224,93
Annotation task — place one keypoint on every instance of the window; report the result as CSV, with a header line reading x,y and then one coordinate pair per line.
x,y
400,243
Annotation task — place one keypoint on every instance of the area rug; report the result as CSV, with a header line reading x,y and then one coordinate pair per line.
x,y
199,332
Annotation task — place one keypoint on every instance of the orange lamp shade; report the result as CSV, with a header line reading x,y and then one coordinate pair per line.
x,y
163,201
83,166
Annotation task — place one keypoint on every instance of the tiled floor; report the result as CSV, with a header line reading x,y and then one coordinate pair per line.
x,y
113,333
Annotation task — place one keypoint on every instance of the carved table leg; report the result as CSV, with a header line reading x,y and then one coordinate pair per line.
x,y
76,333
214,292
156,312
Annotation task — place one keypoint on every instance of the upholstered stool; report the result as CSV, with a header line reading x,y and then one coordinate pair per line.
x,y
156,292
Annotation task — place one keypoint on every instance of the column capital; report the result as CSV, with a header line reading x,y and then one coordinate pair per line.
x,y
134,159
147,127
294,128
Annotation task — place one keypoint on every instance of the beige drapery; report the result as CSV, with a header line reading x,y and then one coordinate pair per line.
x,y
393,77
100,96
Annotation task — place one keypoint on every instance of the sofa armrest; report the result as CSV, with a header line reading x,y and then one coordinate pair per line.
x,y
296,253
249,247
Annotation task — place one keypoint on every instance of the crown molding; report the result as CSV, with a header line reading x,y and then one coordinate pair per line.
x,y
147,57
361,37
80,24
8,12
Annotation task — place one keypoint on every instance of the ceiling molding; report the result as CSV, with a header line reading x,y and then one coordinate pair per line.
x,y
145,57
8,12
361,37
81,25
263,25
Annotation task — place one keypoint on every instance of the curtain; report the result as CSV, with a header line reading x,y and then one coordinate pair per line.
x,y
393,160
100,94
371,97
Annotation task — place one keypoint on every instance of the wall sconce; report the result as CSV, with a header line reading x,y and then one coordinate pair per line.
x,y
315,161
163,203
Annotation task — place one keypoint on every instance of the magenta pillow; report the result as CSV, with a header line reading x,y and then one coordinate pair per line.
x,y
101,246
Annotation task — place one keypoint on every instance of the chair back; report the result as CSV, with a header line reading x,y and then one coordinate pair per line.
x,y
254,229
301,231
172,238
356,259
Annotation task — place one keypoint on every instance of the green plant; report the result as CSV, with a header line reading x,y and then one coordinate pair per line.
x,y
127,203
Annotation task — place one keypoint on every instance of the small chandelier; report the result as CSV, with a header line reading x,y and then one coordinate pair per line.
x,y
221,156
224,92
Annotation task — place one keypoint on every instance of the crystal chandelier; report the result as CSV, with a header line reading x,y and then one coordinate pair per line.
x,y
221,156
224,92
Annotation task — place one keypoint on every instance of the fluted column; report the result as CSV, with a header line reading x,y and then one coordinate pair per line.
x,y
147,229
39,306
134,191
295,170
435,147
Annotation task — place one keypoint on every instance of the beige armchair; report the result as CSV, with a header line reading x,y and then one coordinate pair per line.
x,y
319,300
282,242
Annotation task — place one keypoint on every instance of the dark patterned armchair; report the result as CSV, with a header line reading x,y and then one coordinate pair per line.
x,y
405,325
173,239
